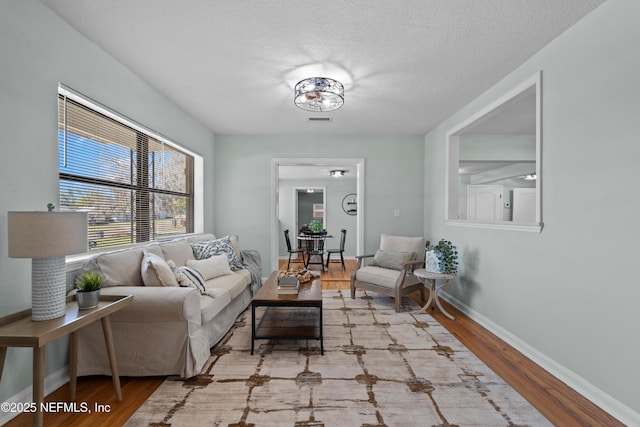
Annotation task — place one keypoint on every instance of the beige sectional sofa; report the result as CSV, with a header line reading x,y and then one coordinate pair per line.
x,y
169,327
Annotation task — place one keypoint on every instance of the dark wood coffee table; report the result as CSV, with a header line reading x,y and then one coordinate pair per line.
x,y
288,316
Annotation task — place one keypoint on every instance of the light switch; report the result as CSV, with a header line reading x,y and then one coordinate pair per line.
x,y
396,212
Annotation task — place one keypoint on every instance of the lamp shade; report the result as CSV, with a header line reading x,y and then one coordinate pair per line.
x,y
46,234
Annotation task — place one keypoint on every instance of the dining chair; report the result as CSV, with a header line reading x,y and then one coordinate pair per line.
x,y
316,249
343,237
293,251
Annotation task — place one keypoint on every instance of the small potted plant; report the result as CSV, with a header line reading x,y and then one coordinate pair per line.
x,y
88,287
442,258
316,226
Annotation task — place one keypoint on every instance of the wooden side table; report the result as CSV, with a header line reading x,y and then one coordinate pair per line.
x,y
18,330
434,282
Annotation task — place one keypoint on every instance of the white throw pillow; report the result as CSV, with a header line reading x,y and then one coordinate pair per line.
x,y
156,272
210,268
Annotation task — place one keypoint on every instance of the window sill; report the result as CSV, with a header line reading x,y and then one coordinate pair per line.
x,y
507,226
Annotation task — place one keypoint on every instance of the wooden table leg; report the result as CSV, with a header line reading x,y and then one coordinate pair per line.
x,y
445,282
73,365
38,384
428,285
253,326
3,354
321,334
108,339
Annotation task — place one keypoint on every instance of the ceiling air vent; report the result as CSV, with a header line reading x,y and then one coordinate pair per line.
x,y
319,119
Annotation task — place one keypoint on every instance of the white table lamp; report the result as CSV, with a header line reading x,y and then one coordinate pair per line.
x,y
47,237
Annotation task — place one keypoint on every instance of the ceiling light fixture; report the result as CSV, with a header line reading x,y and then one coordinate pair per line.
x,y
337,172
319,94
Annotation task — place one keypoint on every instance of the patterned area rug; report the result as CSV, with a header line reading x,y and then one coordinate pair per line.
x,y
380,368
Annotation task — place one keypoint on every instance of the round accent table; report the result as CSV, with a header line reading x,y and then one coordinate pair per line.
x,y
434,282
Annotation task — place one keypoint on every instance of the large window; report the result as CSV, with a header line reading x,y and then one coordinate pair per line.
x,y
134,185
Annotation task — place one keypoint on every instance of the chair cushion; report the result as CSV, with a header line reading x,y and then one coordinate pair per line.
x,y
392,259
404,244
378,276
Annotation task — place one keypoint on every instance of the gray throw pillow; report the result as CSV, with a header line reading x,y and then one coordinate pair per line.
x,y
392,259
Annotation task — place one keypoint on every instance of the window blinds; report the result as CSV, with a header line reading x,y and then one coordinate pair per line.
x,y
133,186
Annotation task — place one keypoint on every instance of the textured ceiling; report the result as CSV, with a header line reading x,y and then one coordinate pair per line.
x,y
406,65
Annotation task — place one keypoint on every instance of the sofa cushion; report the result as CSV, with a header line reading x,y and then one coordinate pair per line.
x,y
235,244
212,267
123,268
392,259
221,246
156,272
210,307
235,282
179,251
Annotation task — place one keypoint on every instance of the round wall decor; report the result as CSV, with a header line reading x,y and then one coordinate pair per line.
x,y
350,204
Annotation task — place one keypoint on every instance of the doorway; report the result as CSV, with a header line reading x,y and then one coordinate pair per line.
x,y
356,164
308,205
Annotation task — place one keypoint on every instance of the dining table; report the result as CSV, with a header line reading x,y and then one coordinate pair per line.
x,y
314,244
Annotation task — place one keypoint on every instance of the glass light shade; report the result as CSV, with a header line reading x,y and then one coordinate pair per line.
x,y
319,94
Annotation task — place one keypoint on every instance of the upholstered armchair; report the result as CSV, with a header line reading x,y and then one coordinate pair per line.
x,y
389,270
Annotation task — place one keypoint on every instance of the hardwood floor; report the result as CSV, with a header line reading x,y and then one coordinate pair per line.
x,y
558,402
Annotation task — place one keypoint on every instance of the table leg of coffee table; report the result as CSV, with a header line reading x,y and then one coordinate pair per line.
x,y
253,326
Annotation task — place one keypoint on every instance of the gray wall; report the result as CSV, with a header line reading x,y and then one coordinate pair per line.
x,y
393,179
38,50
571,293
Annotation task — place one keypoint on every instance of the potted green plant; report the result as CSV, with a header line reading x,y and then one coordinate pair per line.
x,y
316,226
442,258
88,287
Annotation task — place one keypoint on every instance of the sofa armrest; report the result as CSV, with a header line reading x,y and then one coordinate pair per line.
x,y
157,304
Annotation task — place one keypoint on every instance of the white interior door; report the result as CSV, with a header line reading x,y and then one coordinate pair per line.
x,y
484,203
524,205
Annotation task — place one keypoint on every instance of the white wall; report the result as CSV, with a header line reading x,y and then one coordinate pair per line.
x,y
570,293
393,179
38,50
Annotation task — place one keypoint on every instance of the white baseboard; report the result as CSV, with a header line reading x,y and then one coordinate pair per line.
x,y
52,382
612,406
